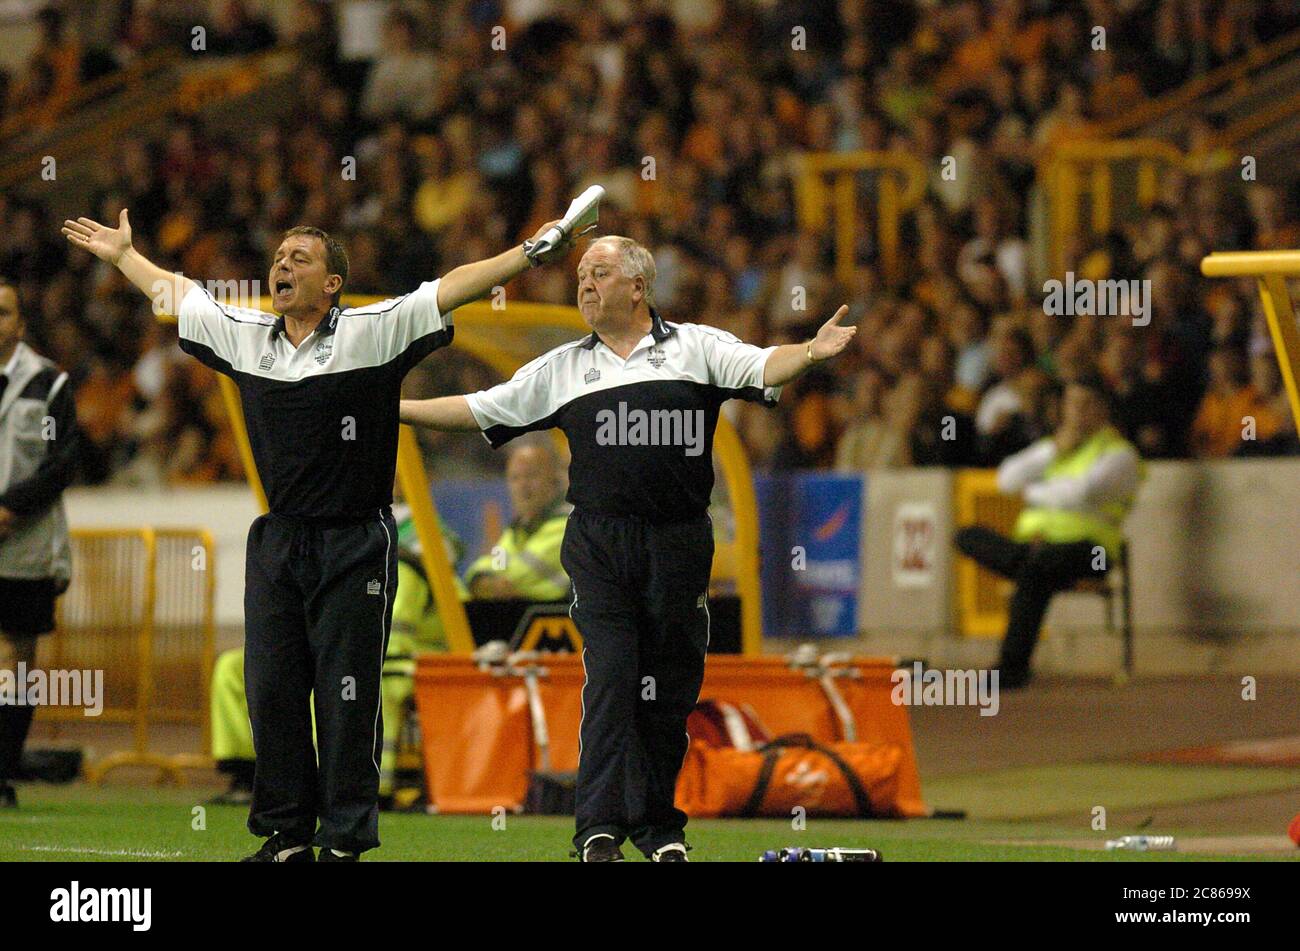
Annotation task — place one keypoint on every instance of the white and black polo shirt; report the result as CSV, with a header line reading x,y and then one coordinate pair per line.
x,y
323,417
640,431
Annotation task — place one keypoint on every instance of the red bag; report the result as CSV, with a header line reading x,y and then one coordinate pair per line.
x,y
722,724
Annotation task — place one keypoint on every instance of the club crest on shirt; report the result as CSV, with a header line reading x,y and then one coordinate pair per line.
x,y
372,587
591,376
323,350
29,415
267,361
657,357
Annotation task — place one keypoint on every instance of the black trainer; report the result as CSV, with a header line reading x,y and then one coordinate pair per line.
x,y
600,848
8,797
279,849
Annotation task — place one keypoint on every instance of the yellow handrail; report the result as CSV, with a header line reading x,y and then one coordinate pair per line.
x,y
1251,263
1271,270
433,555
91,90
744,505
1197,88
813,203
235,410
243,74
1060,172
1248,126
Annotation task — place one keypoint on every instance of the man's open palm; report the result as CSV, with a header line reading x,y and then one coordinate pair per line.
x,y
832,338
107,244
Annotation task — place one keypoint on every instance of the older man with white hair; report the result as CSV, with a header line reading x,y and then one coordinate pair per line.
x,y
638,399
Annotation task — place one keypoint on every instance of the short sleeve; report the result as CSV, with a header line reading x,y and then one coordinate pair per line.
x,y
520,405
209,330
737,367
409,327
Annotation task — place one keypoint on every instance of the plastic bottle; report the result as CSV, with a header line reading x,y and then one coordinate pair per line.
x,y
1143,843
800,854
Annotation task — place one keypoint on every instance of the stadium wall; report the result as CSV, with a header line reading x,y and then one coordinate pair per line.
x,y
1215,550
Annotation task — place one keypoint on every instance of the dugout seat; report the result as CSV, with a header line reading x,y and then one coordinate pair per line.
x,y
1115,588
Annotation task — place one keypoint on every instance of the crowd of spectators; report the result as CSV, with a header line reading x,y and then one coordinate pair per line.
x,y
80,43
689,113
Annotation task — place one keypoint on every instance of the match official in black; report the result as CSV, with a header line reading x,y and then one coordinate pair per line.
x,y
320,387
638,400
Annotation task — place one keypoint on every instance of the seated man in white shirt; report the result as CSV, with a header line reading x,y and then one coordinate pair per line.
x,y
1078,485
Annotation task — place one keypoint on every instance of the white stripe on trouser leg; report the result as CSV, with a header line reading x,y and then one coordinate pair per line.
x,y
708,629
582,696
379,703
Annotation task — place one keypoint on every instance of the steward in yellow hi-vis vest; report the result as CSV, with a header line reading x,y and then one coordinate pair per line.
x,y
1078,485
525,561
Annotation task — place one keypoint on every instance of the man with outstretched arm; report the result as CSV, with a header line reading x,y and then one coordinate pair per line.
x,y
320,387
638,399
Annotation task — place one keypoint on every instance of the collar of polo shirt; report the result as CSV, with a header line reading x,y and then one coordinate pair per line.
x,y
328,324
658,329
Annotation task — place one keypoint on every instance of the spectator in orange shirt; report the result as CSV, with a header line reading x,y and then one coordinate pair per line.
x,y
102,399
61,56
1275,432
1220,422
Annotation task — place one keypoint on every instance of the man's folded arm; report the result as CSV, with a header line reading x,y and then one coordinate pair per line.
x,y
1019,471
1112,478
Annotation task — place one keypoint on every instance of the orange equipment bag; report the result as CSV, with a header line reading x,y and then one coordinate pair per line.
x,y
727,774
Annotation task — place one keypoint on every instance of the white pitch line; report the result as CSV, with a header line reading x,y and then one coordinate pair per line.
x,y
15,820
129,853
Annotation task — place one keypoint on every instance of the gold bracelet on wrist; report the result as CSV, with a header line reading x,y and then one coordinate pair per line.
x,y
811,359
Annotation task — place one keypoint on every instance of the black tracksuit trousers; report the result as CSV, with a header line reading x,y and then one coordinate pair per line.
x,y
1039,569
318,608
640,602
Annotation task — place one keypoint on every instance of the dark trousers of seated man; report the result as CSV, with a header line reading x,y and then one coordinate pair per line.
x,y
318,607
1039,569
641,605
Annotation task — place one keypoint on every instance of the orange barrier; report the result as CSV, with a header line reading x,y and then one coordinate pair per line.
x,y
478,740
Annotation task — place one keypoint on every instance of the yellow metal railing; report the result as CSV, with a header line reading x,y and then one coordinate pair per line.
x,y
45,114
239,77
981,595
1073,169
1197,89
1086,166
1270,270
1275,114
140,610
900,186
482,332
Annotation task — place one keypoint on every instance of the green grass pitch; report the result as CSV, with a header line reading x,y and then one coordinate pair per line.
x,y
120,823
